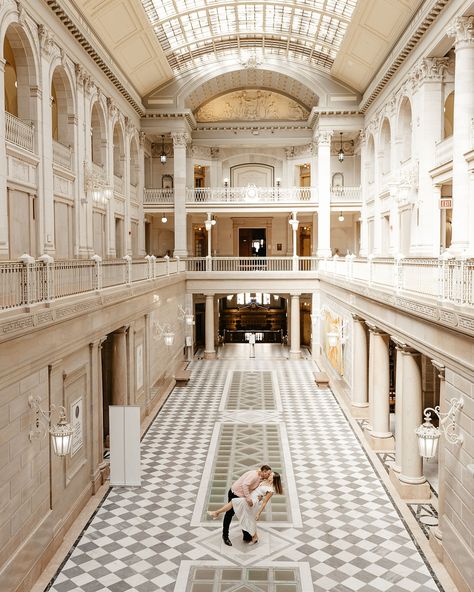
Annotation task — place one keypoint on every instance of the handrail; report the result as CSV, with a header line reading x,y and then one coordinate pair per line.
x,y
19,132
251,194
30,281
158,196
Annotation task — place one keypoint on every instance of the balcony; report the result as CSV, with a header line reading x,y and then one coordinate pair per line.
x,y
251,194
346,195
444,151
19,132
62,155
158,197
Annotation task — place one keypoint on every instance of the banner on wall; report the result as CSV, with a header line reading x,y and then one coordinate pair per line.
x,y
332,323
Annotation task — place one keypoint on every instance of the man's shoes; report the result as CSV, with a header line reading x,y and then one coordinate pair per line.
x,y
227,541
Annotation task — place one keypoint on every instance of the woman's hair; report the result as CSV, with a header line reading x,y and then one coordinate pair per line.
x,y
277,486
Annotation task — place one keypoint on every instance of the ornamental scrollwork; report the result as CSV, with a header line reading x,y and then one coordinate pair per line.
x,y
462,29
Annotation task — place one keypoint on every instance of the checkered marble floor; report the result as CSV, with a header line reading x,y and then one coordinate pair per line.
x,y
343,532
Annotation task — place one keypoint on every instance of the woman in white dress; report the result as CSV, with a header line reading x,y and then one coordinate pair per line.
x,y
249,515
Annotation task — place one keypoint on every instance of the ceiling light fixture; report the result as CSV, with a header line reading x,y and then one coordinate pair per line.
x,y
163,156
340,154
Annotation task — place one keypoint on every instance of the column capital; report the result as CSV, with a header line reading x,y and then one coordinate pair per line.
x,y
429,70
323,137
295,294
404,348
440,368
357,318
462,29
180,139
374,329
121,330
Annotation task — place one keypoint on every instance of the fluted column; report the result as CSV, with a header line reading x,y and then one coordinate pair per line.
x,y
462,29
410,482
210,350
119,367
295,345
180,140
379,436
360,402
324,196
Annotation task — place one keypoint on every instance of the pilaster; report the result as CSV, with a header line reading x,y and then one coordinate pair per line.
x,y
323,138
180,141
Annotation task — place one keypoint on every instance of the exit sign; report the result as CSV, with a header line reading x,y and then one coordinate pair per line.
x,y
446,203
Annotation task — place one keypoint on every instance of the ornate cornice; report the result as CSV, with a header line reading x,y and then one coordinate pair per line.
x,y
83,37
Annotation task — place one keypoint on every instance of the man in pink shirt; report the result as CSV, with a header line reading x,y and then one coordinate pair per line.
x,y
243,487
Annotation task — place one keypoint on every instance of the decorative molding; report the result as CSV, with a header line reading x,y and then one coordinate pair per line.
x,y
323,137
180,139
429,70
46,40
462,29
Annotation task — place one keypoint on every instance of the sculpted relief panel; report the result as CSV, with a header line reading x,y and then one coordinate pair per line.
x,y
251,105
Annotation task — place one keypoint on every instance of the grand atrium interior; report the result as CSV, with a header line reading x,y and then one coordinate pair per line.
x,y
236,234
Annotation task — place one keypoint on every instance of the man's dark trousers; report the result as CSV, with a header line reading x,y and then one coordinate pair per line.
x,y
228,519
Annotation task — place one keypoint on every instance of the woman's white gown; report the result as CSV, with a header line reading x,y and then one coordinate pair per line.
x,y
245,513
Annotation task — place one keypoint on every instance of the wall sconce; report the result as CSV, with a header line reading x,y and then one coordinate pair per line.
x,y
428,434
341,217
185,315
164,332
61,432
340,154
164,219
226,182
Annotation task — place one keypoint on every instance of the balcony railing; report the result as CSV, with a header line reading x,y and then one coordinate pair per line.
x,y
32,282
158,197
345,194
438,280
19,132
444,280
444,151
251,194
62,155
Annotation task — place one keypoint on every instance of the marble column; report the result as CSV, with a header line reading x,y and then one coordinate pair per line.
x,y
398,409
180,140
436,532
210,350
410,481
295,345
360,403
119,367
316,324
379,435
324,184
97,466
462,29
4,247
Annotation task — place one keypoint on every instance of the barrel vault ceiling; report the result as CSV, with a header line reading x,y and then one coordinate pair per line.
x,y
155,41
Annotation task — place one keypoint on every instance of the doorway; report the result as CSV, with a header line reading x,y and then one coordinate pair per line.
x,y
252,242
304,249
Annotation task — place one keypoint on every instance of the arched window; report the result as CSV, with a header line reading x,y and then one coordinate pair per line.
x,y
118,151
405,129
385,141
133,162
449,115
98,137
62,108
370,159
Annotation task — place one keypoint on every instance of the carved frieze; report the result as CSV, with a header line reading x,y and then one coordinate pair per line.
x,y
252,105
46,40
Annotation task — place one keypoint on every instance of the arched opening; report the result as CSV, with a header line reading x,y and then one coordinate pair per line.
x,y
449,115
385,140
98,135
62,108
118,151
134,169
370,159
405,129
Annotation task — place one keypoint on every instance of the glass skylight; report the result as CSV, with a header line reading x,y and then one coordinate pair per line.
x,y
196,31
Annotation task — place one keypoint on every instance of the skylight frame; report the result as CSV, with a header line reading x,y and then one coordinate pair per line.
x,y
193,31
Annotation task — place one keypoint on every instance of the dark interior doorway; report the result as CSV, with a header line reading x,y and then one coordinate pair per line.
x,y
252,242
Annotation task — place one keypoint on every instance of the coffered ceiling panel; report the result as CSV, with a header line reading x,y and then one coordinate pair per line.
x,y
376,26
126,32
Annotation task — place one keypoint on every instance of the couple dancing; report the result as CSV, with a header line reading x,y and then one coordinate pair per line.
x,y
248,497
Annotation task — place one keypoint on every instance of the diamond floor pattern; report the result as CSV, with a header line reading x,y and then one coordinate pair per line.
x,y
351,538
